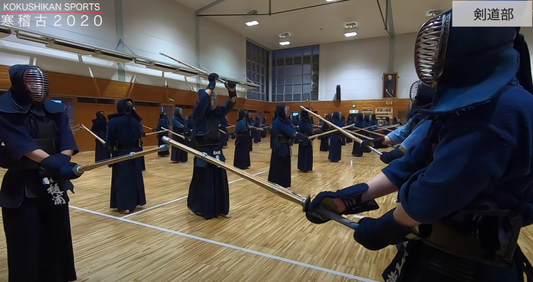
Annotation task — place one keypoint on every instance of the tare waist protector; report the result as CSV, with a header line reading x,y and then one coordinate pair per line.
x,y
482,232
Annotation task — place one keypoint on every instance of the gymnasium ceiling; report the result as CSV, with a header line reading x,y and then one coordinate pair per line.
x,y
318,25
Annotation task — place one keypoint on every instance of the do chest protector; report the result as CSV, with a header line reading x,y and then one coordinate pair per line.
x,y
46,139
210,136
481,232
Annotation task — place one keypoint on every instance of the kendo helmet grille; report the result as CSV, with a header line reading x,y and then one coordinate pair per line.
x,y
430,46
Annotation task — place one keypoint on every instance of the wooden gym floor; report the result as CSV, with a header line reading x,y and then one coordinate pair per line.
x,y
268,238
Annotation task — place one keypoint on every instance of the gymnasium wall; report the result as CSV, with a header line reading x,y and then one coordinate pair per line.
x,y
146,29
358,66
71,87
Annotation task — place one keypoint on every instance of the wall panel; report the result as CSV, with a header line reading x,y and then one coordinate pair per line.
x,y
65,85
323,107
84,113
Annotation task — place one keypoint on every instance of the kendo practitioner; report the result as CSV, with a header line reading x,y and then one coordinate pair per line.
x,y
100,129
241,157
124,134
38,145
357,150
179,126
351,121
250,123
335,141
324,140
162,124
342,124
141,160
464,189
224,136
280,159
257,134
209,188
264,124
188,133
272,136
421,100
305,147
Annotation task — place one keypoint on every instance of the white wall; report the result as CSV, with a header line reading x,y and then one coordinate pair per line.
x,y
358,66
148,28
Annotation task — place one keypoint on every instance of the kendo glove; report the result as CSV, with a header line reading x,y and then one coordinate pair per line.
x,y
231,93
302,137
59,165
373,142
350,196
212,81
388,157
376,234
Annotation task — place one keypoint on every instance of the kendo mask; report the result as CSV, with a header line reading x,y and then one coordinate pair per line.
x,y
129,107
100,114
31,82
214,100
430,48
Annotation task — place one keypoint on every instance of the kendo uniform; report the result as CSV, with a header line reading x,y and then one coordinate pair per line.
x,y
468,182
162,124
209,189
421,97
257,134
367,125
100,129
179,126
251,133
351,121
335,141
33,196
188,133
357,150
280,159
264,124
241,157
224,136
342,124
324,140
305,147
272,136
141,160
124,134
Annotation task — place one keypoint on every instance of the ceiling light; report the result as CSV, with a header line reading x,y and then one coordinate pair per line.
x,y
331,0
284,43
350,34
252,23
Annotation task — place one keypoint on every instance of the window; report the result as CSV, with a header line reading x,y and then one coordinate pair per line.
x,y
257,70
295,74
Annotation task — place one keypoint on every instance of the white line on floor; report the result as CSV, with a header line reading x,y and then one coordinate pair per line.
x,y
181,198
155,207
245,250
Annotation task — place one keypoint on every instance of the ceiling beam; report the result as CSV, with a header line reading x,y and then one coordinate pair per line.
x,y
389,21
209,6
270,13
